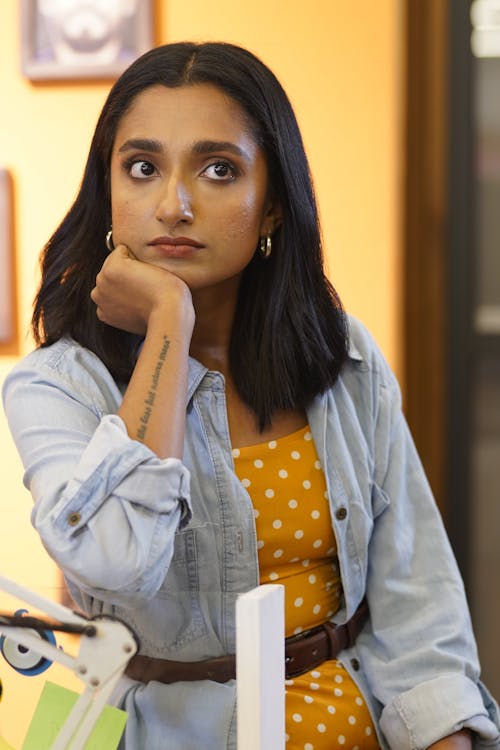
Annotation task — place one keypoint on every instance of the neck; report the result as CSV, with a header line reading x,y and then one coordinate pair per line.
x,y
212,330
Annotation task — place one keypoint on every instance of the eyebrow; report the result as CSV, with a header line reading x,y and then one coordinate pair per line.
x,y
210,147
142,144
200,147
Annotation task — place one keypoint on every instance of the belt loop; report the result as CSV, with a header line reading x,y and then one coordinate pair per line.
x,y
355,624
337,638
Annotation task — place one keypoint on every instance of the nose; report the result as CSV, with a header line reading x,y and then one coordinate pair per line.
x,y
175,202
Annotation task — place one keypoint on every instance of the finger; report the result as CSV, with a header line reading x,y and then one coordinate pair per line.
x,y
124,251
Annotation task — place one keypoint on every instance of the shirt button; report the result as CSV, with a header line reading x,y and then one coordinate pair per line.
x,y
341,514
74,519
355,664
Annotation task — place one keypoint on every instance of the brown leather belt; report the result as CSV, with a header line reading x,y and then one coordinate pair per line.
x,y
302,653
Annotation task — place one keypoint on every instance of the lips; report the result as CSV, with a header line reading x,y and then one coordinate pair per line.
x,y
176,247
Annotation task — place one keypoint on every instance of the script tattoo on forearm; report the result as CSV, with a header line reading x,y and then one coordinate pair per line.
x,y
151,397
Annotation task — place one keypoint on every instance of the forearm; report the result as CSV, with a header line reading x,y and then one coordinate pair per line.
x,y
141,298
154,405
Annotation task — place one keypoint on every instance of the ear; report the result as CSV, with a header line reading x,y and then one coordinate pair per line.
x,y
273,216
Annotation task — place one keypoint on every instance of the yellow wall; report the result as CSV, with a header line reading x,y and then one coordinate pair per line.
x,y
340,63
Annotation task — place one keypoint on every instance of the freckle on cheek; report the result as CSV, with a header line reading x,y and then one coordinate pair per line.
x,y
241,230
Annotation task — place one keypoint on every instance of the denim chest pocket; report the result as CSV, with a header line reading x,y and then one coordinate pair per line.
x,y
174,618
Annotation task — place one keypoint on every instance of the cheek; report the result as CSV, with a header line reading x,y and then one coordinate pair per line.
x,y
238,238
125,212
243,222
124,221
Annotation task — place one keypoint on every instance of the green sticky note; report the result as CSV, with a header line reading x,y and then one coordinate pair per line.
x,y
52,711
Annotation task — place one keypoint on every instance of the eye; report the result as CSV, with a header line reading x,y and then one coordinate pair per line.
x,y
140,169
221,171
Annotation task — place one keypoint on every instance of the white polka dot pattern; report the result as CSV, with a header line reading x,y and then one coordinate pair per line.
x,y
296,547
327,723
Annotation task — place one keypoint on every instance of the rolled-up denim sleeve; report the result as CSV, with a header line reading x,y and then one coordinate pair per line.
x,y
106,507
419,655
435,709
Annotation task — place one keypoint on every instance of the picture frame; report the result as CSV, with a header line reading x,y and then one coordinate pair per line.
x,y
83,39
7,281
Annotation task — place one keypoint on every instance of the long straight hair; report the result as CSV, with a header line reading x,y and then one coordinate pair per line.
x,y
289,336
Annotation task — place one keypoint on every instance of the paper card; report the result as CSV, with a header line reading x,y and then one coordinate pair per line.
x,y
5,745
51,712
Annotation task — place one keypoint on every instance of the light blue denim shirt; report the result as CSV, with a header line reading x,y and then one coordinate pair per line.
x,y
168,545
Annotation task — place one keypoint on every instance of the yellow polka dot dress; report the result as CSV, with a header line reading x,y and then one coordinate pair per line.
x,y
296,545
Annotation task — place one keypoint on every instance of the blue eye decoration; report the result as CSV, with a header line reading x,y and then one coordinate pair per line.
x,y
22,659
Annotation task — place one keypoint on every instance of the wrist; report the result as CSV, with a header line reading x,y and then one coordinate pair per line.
x,y
177,311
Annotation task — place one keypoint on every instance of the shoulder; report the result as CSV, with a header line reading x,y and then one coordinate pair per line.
x,y
366,381
66,358
67,366
364,352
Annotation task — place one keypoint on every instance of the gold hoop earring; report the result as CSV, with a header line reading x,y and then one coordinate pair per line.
x,y
266,246
109,240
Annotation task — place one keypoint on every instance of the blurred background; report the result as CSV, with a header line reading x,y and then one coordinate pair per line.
x,y
399,106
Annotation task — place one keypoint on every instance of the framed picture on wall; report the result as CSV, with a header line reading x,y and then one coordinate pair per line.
x,y
7,328
83,39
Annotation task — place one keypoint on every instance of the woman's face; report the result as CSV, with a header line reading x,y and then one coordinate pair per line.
x,y
189,185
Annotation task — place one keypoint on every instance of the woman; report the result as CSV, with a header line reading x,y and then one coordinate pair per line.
x,y
200,416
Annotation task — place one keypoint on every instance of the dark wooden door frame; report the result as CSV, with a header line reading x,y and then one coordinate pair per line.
x,y
425,228
437,240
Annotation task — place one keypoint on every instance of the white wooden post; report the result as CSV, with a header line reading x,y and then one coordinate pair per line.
x,y
260,668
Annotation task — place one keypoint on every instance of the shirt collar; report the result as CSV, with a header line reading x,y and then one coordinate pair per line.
x,y
353,351
197,371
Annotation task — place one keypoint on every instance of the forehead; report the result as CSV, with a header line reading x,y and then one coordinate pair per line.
x,y
188,112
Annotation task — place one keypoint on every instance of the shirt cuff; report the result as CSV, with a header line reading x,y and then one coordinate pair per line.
x,y
435,709
115,464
